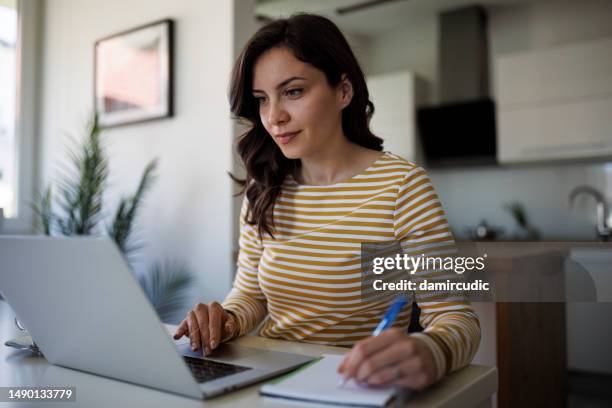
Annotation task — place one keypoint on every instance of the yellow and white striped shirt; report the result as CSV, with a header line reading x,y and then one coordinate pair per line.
x,y
307,280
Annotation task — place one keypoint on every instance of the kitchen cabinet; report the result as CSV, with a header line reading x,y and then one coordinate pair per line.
x,y
589,324
525,339
396,96
555,104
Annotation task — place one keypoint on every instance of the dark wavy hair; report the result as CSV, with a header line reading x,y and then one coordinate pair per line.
x,y
314,40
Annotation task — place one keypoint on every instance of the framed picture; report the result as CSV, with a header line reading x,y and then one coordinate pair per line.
x,y
133,75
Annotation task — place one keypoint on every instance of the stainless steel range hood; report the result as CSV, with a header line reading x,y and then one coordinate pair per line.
x,y
461,129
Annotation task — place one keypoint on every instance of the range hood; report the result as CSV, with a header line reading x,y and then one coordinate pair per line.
x,y
461,129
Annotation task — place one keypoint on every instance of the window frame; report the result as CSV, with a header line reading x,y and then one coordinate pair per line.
x,y
29,19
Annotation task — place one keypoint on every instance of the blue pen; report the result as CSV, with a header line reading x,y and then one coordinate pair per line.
x,y
390,316
387,320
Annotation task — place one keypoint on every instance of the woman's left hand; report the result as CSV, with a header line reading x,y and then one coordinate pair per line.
x,y
391,358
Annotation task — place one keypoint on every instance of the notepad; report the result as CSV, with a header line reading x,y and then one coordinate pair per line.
x,y
319,383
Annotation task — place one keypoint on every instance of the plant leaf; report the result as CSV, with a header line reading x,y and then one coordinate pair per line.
x,y
167,285
42,207
83,184
122,226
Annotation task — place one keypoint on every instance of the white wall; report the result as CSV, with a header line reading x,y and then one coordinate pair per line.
x,y
470,194
189,213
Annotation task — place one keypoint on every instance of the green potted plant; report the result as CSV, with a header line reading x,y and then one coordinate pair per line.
x,y
77,209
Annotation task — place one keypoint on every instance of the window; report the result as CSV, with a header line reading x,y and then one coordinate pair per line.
x,y
8,99
20,42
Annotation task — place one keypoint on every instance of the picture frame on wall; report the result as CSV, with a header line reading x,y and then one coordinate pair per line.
x,y
134,75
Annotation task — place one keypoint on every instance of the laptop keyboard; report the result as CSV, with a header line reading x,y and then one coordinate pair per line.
x,y
206,370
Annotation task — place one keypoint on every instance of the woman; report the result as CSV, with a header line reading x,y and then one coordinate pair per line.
x,y
317,186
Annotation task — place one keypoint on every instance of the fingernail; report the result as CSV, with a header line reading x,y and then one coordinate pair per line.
x,y
206,351
213,344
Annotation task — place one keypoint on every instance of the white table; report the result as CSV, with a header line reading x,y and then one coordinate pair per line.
x,y
471,387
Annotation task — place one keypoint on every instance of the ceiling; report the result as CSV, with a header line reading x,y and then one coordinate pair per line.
x,y
375,20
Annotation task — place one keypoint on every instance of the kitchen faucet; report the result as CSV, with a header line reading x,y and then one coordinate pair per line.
x,y
603,228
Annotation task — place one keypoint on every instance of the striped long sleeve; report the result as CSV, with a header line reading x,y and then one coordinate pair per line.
x,y
246,301
451,328
308,278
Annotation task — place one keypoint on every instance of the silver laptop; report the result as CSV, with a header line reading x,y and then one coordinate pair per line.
x,y
84,308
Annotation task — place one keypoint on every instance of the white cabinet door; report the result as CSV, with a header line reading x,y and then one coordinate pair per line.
x,y
555,104
577,130
589,324
393,95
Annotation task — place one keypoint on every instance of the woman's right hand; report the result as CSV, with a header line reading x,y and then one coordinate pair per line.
x,y
207,326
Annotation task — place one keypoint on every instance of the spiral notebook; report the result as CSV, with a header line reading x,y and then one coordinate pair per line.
x,y
319,382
